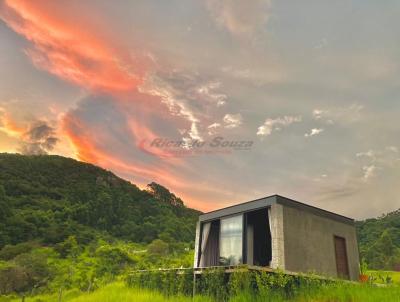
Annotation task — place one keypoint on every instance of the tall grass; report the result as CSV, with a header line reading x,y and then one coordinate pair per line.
x,y
384,276
120,293
115,292
329,293
340,292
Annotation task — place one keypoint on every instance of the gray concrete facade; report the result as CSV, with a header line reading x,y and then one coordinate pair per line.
x,y
302,236
277,237
309,243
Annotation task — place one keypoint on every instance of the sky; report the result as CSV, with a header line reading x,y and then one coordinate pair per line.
x,y
221,101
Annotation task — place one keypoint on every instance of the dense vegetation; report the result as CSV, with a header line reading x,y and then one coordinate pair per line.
x,y
246,284
338,292
67,224
379,241
49,198
68,227
83,267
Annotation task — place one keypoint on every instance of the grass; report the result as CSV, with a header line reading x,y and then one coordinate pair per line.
x,y
380,276
331,293
115,292
119,292
351,292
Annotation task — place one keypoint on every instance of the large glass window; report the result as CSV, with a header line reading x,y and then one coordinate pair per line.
x,y
231,244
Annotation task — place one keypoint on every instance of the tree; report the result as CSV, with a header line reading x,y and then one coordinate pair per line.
x,y
381,254
69,247
35,267
11,251
13,279
4,207
163,194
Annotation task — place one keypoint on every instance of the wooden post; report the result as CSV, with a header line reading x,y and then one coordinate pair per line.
x,y
23,299
194,283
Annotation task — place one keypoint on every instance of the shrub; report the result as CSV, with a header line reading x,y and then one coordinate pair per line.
x,y
13,279
158,247
241,281
10,251
112,260
219,285
213,283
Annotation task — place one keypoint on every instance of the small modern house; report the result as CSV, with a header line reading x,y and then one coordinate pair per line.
x,y
278,232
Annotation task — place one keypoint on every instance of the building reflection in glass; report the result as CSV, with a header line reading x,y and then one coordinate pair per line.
x,y
231,240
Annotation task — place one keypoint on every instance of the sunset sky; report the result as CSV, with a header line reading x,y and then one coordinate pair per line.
x,y
314,86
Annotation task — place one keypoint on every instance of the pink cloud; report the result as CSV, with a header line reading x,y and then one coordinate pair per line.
x,y
72,53
75,50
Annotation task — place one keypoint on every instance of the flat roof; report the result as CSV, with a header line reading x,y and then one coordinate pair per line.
x,y
268,201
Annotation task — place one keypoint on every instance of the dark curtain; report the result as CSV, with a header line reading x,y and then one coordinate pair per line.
x,y
262,250
211,253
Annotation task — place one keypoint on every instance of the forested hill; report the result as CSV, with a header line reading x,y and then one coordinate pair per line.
x,y
379,241
49,198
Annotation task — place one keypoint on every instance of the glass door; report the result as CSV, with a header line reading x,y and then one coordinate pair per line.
x,y
231,241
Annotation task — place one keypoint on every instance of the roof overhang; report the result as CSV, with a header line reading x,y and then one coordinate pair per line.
x,y
268,201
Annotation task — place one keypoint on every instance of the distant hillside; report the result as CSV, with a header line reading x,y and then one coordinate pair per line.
x,y
48,198
379,240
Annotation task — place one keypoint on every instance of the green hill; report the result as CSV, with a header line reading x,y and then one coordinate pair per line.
x,y
379,241
65,224
49,198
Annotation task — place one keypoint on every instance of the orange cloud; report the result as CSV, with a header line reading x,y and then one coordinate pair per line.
x,y
85,141
144,136
67,51
83,147
78,54
87,150
10,126
75,53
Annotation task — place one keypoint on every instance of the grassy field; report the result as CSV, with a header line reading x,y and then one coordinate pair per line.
x,y
118,292
381,276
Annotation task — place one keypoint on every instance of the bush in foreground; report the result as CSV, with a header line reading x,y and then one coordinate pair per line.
x,y
245,285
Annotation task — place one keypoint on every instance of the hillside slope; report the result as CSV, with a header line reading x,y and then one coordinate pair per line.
x,y
379,241
48,198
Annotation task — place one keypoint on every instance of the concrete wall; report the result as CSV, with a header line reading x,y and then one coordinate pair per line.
x,y
309,243
277,236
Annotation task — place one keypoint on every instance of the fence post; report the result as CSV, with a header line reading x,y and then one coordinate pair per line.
x,y
194,283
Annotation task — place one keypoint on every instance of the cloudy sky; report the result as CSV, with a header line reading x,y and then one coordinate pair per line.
x,y
221,101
